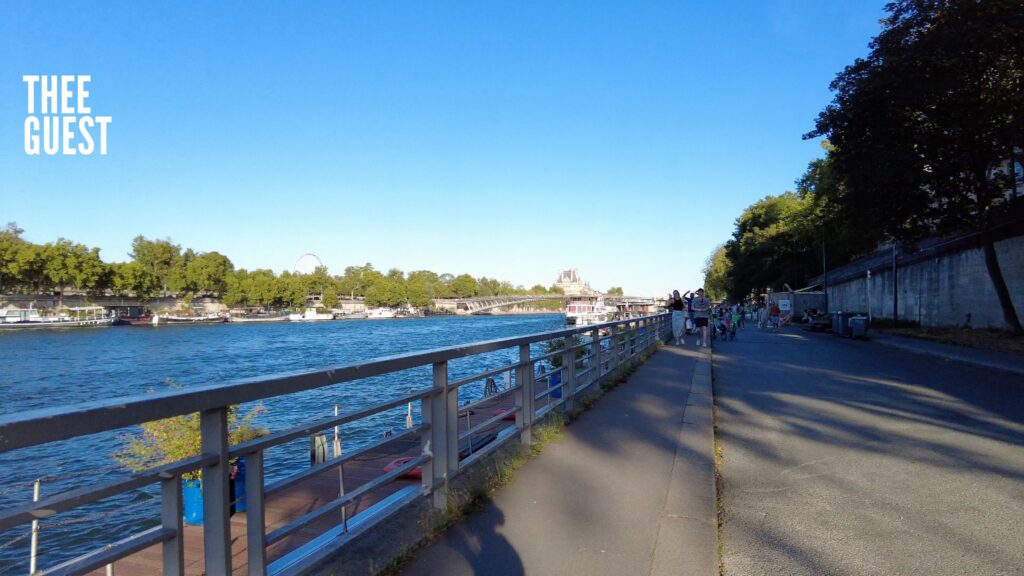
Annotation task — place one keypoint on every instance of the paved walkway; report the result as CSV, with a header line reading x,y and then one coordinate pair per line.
x,y
629,490
851,458
994,359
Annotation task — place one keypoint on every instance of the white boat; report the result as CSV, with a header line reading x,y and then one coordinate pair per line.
x,y
310,315
203,319
584,311
74,317
341,315
258,318
379,313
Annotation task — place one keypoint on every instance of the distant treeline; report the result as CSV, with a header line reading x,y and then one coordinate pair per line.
x,y
924,137
161,268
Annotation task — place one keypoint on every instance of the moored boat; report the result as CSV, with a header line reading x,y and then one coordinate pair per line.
x,y
204,319
77,317
259,318
587,310
310,315
350,316
379,313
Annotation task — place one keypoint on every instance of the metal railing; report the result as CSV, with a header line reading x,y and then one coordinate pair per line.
x,y
585,356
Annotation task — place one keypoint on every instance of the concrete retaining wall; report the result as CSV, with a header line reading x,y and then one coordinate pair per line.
x,y
935,290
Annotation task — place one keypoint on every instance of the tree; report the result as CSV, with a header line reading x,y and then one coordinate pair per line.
x,y
67,264
208,273
130,278
10,244
772,244
716,274
157,258
387,291
465,286
616,290
921,125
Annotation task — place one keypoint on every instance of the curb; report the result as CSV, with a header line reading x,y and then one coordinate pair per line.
x,y
687,541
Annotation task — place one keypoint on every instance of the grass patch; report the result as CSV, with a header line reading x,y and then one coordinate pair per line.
x,y
719,454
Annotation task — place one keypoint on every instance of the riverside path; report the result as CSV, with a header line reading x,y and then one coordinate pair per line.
x,y
850,458
628,489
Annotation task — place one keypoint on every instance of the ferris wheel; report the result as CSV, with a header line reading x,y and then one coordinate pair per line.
x,y
307,263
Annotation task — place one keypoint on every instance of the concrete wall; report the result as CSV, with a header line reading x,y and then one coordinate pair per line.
x,y
939,290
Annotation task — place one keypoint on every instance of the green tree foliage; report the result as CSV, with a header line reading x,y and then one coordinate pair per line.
x,y
922,125
387,291
617,290
10,245
465,286
293,290
770,245
716,274
160,267
208,273
158,258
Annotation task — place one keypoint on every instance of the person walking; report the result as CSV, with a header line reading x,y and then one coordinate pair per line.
x,y
678,307
701,313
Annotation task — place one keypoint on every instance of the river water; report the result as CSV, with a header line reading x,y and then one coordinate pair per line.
x,y
52,368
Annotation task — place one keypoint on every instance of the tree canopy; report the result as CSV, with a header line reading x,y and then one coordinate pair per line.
x,y
925,127
159,267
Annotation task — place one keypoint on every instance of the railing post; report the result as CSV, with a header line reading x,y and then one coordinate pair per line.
x,y
569,373
171,517
614,348
595,355
255,514
634,333
213,425
524,396
34,540
436,415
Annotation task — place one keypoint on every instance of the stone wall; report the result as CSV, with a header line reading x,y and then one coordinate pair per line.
x,y
946,283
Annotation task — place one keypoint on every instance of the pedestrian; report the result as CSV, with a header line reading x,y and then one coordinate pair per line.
x,y
701,313
678,307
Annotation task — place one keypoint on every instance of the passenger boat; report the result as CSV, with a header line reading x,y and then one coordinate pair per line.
x,y
18,318
586,310
204,319
310,315
379,313
258,318
349,315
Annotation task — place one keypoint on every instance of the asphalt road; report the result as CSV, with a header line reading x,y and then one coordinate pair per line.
x,y
849,458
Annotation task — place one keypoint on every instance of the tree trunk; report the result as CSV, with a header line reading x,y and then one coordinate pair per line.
x,y
995,273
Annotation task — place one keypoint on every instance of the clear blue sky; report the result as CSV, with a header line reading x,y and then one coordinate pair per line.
x,y
506,139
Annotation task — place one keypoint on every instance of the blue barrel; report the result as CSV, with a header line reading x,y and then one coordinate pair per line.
x,y
556,384
193,502
239,482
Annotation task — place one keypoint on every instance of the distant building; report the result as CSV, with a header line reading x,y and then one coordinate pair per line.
x,y
573,285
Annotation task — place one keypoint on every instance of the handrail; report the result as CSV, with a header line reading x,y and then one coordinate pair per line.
x,y
440,439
